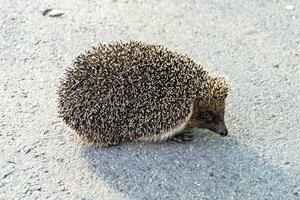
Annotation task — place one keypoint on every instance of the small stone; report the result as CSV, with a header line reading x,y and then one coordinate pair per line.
x,y
27,151
56,13
289,7
276,66
45,12
196,183
211,174
286,163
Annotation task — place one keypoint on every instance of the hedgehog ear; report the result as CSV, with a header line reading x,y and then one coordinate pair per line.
x,y
226,89
219,88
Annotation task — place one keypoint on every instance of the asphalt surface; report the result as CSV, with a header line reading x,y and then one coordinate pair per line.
x,y
254,44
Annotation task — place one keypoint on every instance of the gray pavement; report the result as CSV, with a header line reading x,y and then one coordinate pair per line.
x,y
254,44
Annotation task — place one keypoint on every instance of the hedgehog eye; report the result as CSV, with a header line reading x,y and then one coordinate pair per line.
x,y
206,116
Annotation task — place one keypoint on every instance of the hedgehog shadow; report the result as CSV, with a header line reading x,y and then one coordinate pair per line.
x,y
208,168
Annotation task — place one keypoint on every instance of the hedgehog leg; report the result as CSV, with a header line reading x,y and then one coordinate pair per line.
x,y
112,142
105,144
183,137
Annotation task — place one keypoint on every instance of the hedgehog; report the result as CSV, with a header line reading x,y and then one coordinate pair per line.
x,y
135,91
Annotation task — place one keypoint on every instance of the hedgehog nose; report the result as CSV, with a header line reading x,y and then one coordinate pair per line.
x,y
222,130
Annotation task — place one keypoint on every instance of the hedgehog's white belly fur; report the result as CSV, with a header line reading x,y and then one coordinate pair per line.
x,y
165,135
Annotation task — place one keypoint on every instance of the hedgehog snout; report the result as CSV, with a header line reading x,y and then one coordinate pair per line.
x,y
222,130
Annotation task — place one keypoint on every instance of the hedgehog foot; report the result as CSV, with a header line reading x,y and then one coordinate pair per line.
x,y
112,144
183,137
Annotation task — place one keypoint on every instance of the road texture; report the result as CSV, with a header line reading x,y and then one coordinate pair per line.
x,y
254,44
